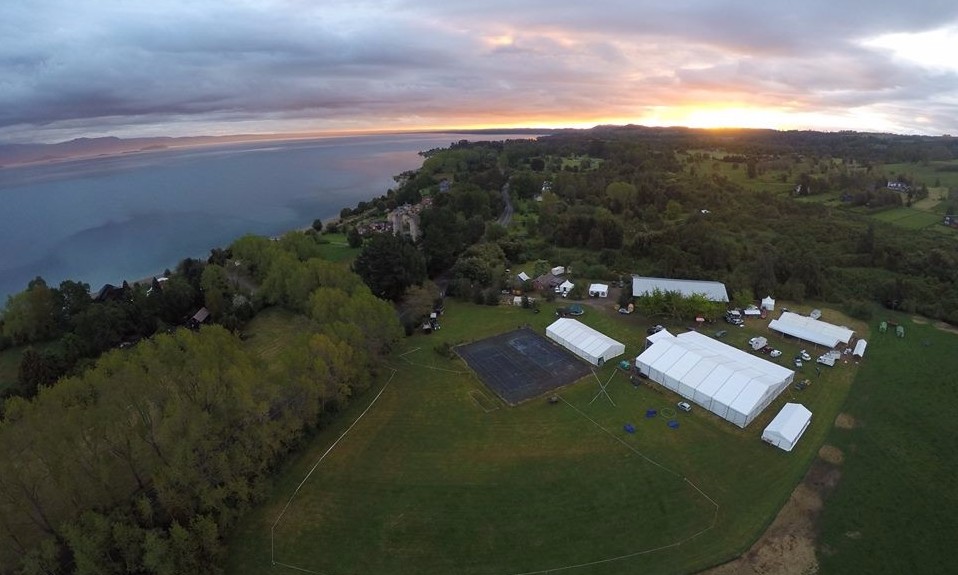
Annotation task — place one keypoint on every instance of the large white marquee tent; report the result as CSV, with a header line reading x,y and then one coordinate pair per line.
x,y
713,291
811,330
587,343
788,426
729,382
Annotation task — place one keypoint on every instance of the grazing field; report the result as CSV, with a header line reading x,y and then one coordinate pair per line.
x,y
432,479
909,218
894,508
337,248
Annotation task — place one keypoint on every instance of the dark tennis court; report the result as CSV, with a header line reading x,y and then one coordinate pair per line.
x,y
522,364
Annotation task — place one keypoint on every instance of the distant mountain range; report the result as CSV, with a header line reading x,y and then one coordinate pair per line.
x,y
80,148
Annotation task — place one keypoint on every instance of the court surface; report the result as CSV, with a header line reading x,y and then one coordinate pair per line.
x,y
522,364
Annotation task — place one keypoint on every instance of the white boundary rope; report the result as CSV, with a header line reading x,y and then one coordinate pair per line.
x,y
272,547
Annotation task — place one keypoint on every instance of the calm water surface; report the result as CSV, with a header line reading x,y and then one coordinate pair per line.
x,y
132,216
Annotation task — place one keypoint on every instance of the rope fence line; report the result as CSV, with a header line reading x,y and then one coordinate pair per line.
x,y
711,525
272,530
631,448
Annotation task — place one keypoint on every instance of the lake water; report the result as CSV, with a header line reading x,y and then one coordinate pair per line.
x,y
132,216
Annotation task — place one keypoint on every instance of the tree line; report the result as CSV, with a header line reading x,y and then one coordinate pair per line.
x,y
143,462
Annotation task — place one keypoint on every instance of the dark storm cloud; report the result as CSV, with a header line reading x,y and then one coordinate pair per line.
x,y
72,67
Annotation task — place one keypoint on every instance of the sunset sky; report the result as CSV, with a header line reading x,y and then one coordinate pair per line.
x,y
71,68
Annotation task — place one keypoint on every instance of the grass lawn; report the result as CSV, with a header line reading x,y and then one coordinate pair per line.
x,y
894,509
910,218
337,249
440,477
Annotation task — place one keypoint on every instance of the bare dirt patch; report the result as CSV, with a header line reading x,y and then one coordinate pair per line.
x,y
918,319
831,454
845,421
788,545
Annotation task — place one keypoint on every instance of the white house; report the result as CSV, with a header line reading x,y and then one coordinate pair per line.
x,y
788,426
599,290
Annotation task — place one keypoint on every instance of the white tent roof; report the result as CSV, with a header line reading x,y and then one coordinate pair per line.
x,y
589,344
661,334
714,291
768,302
598,288
813,330
860,348
566,285
788,426
730,382
523,276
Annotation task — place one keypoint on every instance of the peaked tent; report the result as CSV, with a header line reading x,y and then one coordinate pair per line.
x,y
768,303
811,330
729,382
788,426
713,291
860,348
587,343
566,286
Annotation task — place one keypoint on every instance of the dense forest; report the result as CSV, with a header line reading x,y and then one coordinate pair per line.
x,y
131,444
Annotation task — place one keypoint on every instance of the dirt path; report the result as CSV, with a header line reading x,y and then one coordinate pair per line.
x,y
788,545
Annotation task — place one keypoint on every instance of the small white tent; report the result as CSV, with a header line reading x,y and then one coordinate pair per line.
x,y
565,287
599,290
860,346
788,426
517,300
523,277
587,343
768,303
557,271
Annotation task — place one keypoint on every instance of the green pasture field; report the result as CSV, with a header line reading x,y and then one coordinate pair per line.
x,y
337,248
945,173
432,479
908,218
893,510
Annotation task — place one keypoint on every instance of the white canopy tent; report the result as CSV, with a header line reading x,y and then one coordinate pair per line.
x,y
768,303
713,291
729,382
788,426
587,343
811,330
565,287
860,346
599,290
523,277
661,334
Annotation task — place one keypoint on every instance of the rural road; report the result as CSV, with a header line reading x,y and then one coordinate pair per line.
x,y
506,218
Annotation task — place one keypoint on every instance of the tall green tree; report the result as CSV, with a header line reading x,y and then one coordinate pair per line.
x,y
389,264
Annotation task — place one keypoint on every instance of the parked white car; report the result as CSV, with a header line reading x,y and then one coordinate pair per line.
x,y
684,406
